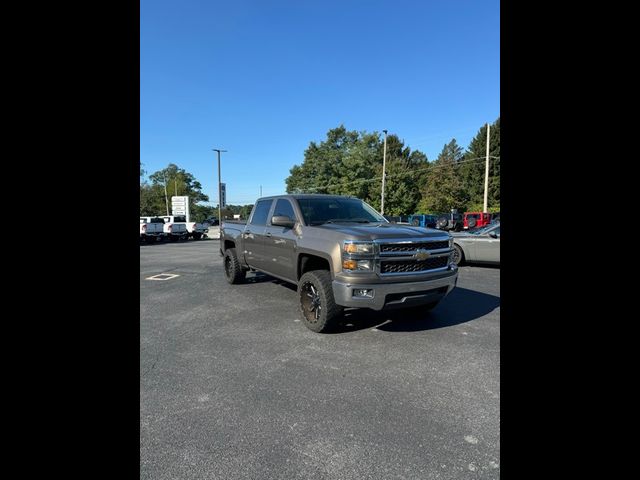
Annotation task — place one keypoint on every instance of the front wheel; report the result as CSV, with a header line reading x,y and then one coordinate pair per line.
x,y
458,255
317,304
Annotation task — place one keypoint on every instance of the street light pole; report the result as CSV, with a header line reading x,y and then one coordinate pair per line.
x,y
384,165
219,188
486,174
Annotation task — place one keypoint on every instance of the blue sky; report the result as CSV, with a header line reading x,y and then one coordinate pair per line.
x,y
262,79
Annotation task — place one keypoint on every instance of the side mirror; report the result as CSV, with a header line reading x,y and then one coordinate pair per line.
x,y
282,221
493,234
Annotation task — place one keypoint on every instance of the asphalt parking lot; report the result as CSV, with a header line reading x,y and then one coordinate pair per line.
x,y
234,386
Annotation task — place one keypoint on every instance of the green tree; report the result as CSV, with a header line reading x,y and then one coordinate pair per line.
x,y
472,171
152,196
350,163
405,172
443,188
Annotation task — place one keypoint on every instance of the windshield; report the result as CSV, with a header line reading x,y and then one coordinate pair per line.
x,y
317,211
481,231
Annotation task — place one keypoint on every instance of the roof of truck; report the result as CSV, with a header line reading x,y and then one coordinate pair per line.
x,y
305,195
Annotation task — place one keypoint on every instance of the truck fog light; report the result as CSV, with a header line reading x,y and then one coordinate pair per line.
x,y
363,292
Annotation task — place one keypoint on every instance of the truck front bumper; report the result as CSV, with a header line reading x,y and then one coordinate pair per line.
x,y
394,295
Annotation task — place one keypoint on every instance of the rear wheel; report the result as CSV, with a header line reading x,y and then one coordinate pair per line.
x,y
232,269
416,222
472,222
317,304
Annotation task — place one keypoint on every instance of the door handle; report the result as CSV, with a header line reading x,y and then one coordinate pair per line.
x,y
268,234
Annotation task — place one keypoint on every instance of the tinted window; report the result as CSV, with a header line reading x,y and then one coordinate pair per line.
x,y
284,208
180,219
319,210
260,212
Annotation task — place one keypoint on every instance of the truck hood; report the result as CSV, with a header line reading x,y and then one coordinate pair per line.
x,y
375,231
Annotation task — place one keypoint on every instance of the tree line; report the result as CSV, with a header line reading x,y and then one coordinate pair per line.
x,y
350,163
174,180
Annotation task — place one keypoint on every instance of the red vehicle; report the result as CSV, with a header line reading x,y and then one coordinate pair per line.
x,y
476,220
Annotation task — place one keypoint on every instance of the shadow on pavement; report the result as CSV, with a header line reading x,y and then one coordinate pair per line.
x,y
460,306
259,277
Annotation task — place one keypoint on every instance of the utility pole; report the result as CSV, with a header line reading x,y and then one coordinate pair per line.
x,y
384,165
219,188
166,198
486,173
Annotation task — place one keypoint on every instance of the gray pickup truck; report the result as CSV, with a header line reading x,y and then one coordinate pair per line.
x,y
340,253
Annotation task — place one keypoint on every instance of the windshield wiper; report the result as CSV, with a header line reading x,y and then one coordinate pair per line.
x,y
341,220
348,220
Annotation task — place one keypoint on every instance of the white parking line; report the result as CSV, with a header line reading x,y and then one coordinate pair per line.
x,y
163,276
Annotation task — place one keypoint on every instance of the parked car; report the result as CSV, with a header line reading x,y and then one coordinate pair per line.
x,y
423,220
450,221
151,229
477,246
476,220
340,253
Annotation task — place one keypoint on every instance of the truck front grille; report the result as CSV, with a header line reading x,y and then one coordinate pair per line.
x,y
413,266
410,247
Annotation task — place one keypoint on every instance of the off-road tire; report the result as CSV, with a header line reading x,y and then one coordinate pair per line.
x,y
442,222
233,272
317,305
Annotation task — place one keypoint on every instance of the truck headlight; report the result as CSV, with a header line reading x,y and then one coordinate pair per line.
x,y
358,247
360,265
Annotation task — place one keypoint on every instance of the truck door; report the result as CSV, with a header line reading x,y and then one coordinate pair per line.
x,y
280,242
254,234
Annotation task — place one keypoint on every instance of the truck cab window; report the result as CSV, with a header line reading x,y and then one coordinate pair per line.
x,y
261,210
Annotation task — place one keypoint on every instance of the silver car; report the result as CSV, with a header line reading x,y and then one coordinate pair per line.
x,y
481,246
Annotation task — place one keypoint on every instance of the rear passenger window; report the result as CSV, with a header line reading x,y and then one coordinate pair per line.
x,y
284,208
260,212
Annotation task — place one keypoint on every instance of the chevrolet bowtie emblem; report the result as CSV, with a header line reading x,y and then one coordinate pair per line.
x,y
422,254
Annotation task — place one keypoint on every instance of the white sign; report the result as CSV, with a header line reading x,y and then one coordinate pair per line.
x,y
180,206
